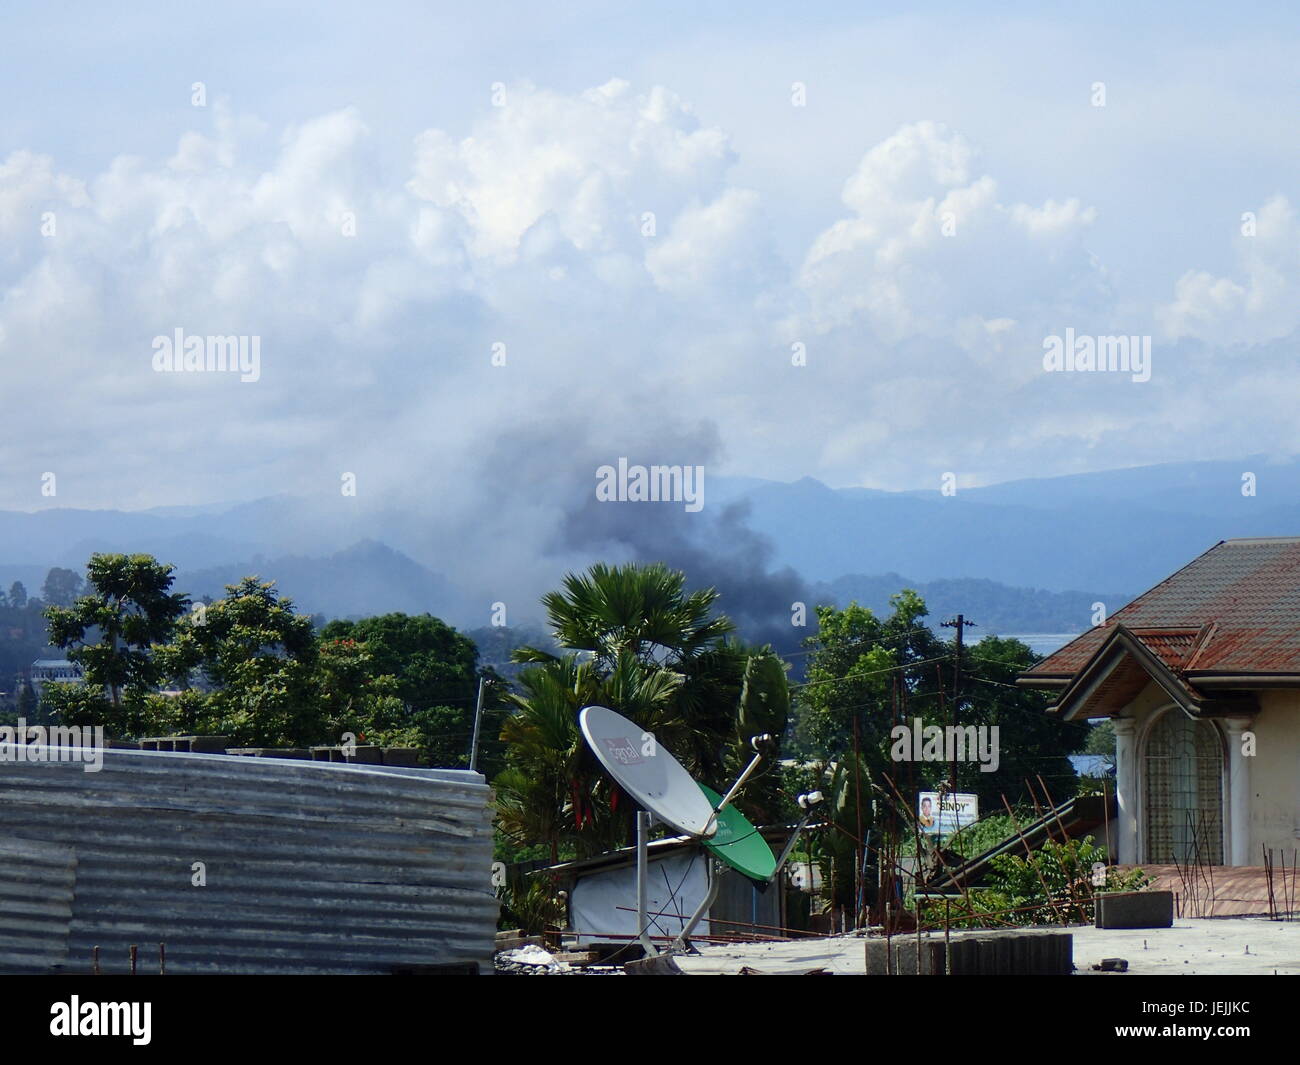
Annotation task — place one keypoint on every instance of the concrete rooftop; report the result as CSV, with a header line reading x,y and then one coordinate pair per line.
x,y
1193,947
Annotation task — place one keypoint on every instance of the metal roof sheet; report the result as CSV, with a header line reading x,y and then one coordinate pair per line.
x,y
311,867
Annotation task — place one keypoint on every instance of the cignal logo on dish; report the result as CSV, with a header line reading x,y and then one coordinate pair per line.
x,y
623,751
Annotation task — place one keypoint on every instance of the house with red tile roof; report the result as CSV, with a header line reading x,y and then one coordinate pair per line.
x,y
1201,678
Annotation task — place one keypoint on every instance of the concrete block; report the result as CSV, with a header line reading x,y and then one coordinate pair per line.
x,y
1060,955
896,957
1019,951
1142,909
270,752
965,957
934,958
997,952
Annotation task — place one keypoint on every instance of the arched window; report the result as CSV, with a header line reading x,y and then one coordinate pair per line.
x,y
1184,791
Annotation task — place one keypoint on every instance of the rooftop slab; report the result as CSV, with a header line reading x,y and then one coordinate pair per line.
x,y
1192,947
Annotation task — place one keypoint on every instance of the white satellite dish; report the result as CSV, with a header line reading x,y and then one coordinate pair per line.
x,y
663,789
647,772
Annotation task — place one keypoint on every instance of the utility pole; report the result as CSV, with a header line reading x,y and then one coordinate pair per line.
x,y
959,623
478,718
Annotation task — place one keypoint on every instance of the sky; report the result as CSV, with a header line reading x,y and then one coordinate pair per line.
x,y
483,249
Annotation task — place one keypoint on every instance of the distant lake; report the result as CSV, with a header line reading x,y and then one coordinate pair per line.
x,y
1091,765
1043,643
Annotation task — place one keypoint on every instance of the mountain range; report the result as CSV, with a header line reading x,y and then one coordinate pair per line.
x,y
1021,556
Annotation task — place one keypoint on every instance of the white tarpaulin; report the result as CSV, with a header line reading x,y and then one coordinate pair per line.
x,y
677,884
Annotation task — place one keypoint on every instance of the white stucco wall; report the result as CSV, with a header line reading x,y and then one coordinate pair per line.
x,y
1275,775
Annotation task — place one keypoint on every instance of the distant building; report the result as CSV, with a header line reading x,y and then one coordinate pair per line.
x,y
54,670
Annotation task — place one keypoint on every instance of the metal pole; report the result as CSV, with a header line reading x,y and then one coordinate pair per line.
x,y
789,847
642,876
947,937
726,799
683,942
478,718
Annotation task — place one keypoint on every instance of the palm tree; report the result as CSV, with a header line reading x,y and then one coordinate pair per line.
x,y
643,610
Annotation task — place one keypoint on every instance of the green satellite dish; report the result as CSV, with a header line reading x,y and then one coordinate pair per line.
x,y
738,843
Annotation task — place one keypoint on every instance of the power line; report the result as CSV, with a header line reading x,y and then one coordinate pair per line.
x,y
870,673
874,643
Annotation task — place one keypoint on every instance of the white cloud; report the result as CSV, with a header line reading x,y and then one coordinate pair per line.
x,y
529,231
596,162
929,247
1262,305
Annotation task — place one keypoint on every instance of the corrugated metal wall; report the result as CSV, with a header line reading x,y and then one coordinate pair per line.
x,y
37,881
311,867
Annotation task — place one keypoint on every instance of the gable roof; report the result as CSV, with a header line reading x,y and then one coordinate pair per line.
x,y
1234,612
1127,661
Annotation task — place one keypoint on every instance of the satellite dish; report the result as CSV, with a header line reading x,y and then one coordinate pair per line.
x,y
654,778
738,843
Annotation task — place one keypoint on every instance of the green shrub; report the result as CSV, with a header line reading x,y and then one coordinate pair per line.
x,y
1048,886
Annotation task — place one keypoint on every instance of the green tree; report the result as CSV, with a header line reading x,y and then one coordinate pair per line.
x,y
1034,746
867,675
1101,741
61,587
17,595
427,667
111,632
261,657
637,609
27,704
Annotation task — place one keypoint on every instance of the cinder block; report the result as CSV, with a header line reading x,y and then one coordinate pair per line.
x,y
1064,961
993,954
368,754
1018,948
1039,954
270,752
965,957
897,957
1142,909
362,754
997,953
934,958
